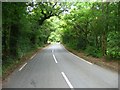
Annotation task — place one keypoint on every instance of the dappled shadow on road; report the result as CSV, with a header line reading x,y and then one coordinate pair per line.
x,y
55,50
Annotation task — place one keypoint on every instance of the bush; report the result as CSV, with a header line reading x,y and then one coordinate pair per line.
x,y
113,53
73,45
113,45
90,50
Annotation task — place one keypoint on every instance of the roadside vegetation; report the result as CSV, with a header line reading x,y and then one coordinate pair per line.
x,y
92,28
25,28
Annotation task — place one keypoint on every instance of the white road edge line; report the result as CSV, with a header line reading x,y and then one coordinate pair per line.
x,y
66,79
55,59
78,57
22,66
33,56
81,59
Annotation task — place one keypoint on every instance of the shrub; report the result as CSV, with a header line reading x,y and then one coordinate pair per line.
x,y
90,50
113,53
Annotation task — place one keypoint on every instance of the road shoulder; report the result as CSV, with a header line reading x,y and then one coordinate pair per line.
x,y
109,64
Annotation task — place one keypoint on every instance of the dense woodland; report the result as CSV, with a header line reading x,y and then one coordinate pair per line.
x,y
93,28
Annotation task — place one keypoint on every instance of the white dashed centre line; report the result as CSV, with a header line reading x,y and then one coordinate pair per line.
x,y
22,66
55,58
52,51
66,79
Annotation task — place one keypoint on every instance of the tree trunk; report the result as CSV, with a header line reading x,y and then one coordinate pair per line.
x,y
14,33
96,41
105,29
5,40
118,16
104,44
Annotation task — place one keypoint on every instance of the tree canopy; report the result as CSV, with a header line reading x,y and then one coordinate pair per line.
x,y
92,27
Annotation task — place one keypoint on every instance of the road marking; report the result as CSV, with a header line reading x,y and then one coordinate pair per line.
x,y
66,79
55,58
77,56
52,51
81,59
22,66
33,56
86,61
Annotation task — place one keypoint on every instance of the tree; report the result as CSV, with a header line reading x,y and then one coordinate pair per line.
x,y
91,27
45,10
26,27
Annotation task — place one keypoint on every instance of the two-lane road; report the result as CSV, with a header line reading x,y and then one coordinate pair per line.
x,y
55,67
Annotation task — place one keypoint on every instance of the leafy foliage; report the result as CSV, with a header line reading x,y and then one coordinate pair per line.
x,y
93,27
89,26
25,27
